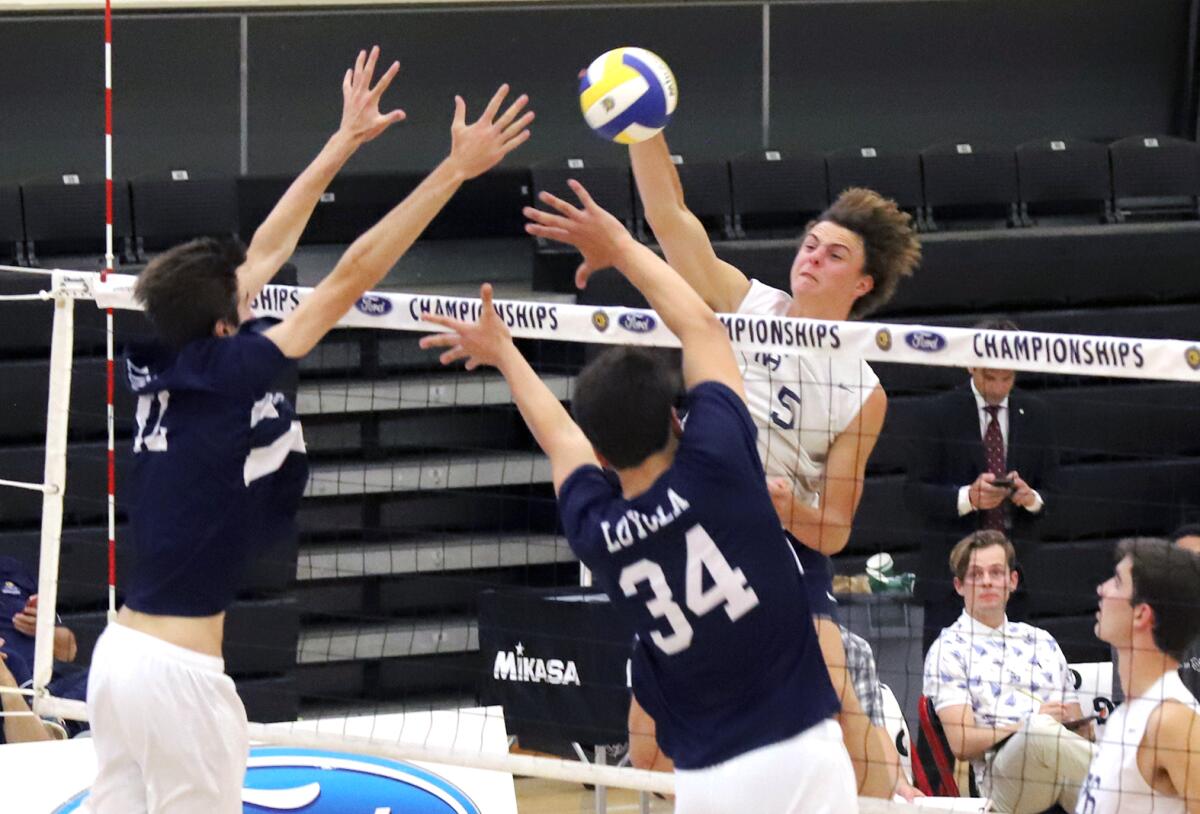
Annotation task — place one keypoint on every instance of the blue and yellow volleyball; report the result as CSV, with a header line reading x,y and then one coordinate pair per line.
x,y
627,95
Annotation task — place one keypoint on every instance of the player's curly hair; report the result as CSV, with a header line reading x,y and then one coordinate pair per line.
x,y
890,244
188,288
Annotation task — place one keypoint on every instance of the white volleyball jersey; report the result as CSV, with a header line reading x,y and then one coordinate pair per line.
x,y
800,404
1114,782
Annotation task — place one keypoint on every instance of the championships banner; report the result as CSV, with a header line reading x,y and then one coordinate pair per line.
x,y
1033,351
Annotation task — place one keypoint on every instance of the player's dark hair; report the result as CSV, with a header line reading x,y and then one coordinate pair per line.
x,y
1186,530
623,401
189,287
960,555
1167,578
889,243
996,324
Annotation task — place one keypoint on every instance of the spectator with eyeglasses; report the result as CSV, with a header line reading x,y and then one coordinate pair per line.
x,y
1003,691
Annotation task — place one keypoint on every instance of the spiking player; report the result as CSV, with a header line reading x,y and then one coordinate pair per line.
x,y
818,419
220,465
681,534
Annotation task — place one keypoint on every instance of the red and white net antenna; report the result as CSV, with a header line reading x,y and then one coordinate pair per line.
x,y
108,312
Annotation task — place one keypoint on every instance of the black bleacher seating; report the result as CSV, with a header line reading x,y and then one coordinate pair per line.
x,y
1089,562
1076,635
168,210
708,195
12,226
776,192
971,184
611,186
1121,499
1139,420
894,174
1155,177
67,216
87,478
350,205
19,421
1063,179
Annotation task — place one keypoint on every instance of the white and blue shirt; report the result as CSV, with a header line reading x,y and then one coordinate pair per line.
x,y
727,658
219,468
1005,674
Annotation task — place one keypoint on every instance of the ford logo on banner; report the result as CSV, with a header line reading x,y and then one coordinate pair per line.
x,y
315,781
926,341
636,323
374,306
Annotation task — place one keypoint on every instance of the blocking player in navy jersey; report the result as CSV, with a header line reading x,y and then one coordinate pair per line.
x,y
818,418
679,530
219,463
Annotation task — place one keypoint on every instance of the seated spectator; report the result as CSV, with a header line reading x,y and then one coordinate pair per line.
x,y
20,724
18,626
1188,537
1003,691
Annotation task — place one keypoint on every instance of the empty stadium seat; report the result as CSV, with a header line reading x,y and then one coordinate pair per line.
x,y
67,216
969,185
776,193
708,195
1089,563
349,206
610,186
1064,179
168,210
1155,177
894,174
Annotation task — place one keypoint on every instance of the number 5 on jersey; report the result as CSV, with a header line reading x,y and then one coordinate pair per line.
x,y
729,590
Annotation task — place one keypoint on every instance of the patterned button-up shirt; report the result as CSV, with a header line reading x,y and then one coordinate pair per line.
x,y
1004,673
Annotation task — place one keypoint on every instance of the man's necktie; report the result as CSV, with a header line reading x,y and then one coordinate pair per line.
x,y
993,453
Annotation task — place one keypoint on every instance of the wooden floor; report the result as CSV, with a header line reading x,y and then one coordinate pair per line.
x,y
536,796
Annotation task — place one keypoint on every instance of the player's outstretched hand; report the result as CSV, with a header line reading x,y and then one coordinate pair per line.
x,y
361,119
477,147
480,343
598,235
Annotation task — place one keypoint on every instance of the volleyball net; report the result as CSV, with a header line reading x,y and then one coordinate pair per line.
x,y
430,608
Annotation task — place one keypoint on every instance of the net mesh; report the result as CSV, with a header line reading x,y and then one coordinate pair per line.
x,y
429,605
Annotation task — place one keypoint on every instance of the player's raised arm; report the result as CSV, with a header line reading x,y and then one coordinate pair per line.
x,y
604,242
488,342
475,149
275,240
680,233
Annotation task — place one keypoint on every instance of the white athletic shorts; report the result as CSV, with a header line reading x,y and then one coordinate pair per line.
x,y
809,773
169,729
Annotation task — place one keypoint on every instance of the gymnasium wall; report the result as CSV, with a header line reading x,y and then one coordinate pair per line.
x,y
830,74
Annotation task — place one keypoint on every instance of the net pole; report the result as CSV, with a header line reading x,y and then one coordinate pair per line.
x,y
109,258
58,402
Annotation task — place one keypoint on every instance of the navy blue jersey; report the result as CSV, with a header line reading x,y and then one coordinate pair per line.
x,y
17,584
219,468
727,659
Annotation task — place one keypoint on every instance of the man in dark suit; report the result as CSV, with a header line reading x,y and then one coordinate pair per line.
x,y
983,458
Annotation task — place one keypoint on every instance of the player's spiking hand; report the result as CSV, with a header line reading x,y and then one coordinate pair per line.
x,y
599,236
361,118
485,342
477,147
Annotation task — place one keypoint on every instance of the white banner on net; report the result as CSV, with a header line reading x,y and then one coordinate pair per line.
x,y
1125,357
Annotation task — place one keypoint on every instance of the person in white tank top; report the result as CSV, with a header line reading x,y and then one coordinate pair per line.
x,y
1149,756
818,419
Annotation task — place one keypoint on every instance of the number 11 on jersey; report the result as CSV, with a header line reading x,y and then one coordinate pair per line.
x,y
729,590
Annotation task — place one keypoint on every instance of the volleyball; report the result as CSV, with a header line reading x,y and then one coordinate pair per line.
x,y
627,95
